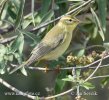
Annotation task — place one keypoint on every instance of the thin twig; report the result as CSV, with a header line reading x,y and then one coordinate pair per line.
x,y
95,62
6,30
70,12
99,77
47,98
30,96
98,24
95,69
93,46
78,90
2,41
60,94
100,66
16,90
66,68
49,22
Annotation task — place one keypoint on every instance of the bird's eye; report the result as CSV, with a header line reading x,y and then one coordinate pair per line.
x,y
69,21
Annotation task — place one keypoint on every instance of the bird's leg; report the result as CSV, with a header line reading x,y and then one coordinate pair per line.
x,y
46,63
43,63
58,68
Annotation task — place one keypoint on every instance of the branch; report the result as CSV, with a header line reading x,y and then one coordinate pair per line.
x,y
96,67
16,90
7,30
2,41
30,96
70,12
43,24
100,66
94,46
104,76
60,94
67,68
47,98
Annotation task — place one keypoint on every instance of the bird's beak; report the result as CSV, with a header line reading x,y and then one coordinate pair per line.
x,y
80,21
77,20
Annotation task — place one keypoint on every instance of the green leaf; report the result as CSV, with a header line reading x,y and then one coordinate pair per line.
x,y
47,16
31,35
20,14
37,98
45,6
2,66
32,11
26,22
97,22
11,12
69,78
88,85
101,34
104,82
102,11
16,3
28,19
18,44
20,48
2,71
2,6
18,57
59,85
10,57
3,12
81,52
3,50
24,72
78,49
78,72
106,45
62,7
95,31
3,62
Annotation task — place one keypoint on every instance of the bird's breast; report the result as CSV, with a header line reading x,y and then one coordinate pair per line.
x,y
57,52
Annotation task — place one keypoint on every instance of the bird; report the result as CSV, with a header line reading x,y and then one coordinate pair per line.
x,y
54,43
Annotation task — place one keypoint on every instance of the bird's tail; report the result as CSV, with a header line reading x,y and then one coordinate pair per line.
x,y
27,63
22,65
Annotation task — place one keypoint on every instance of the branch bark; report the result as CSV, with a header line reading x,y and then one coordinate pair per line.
x,y
16,90
2,41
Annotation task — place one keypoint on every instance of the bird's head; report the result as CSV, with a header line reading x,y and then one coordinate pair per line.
x,y
69,21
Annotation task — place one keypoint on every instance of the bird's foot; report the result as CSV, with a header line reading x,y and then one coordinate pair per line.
x,y
46,69
58,68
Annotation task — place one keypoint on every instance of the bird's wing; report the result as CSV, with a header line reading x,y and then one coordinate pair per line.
x,y
40,50
43,48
